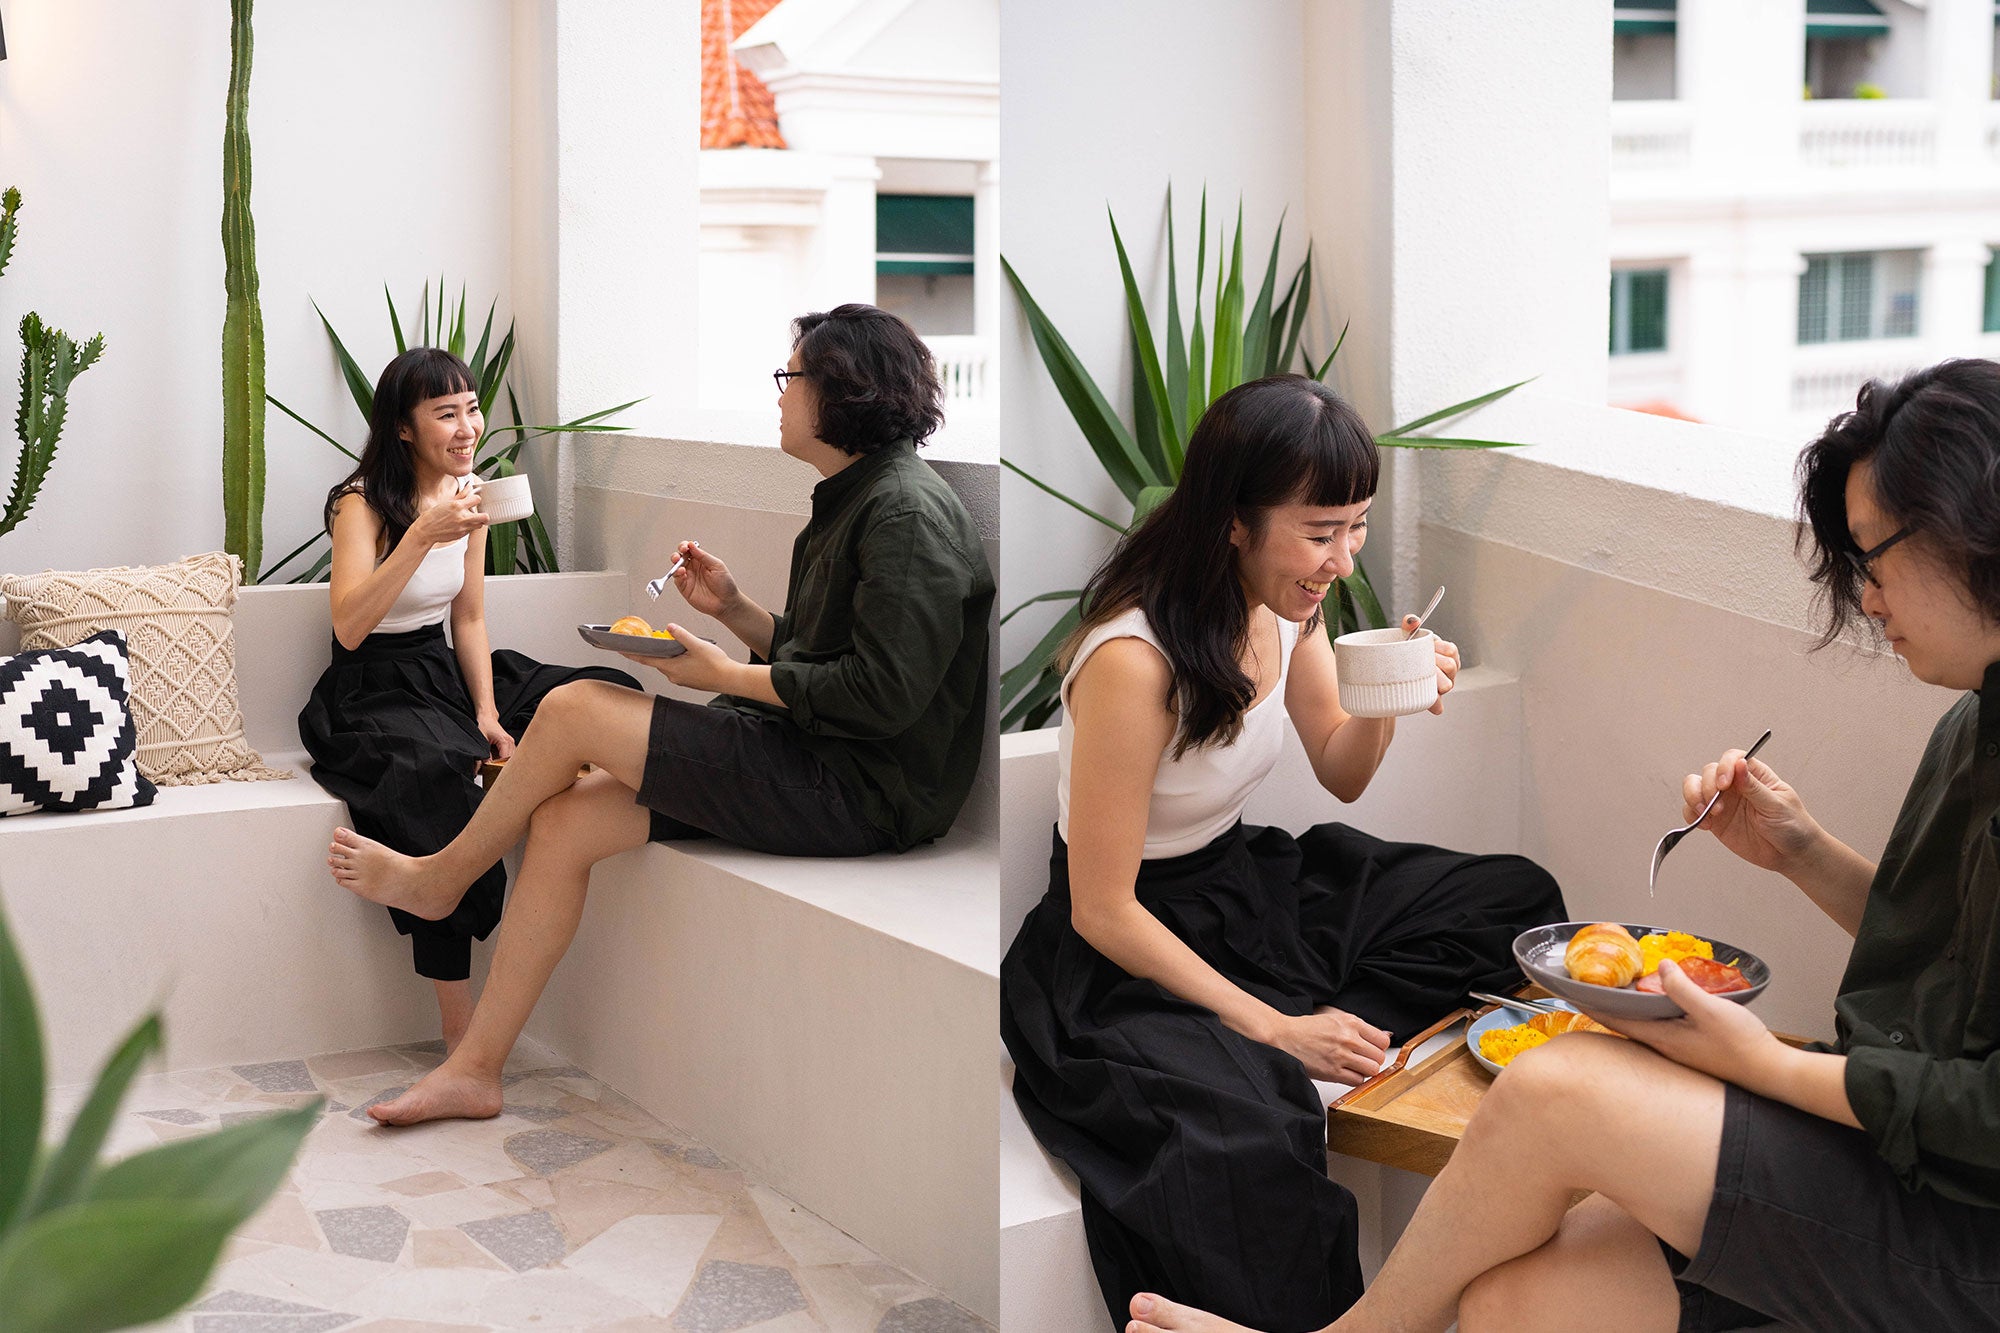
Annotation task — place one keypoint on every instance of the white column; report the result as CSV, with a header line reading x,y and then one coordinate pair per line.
x,y
844,262
1767,334
1707,330
1469,306
1960,79
986,257
607,213
1742,74
1954,304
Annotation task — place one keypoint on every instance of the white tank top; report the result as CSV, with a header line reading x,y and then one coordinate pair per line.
x,y
427,596
1198,796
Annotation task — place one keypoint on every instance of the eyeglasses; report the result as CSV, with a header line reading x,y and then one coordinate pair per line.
x,y
1864,561
780,376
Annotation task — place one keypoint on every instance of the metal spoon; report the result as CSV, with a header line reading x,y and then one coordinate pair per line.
x,y
1425,614
659,585
1672,840
1528,1006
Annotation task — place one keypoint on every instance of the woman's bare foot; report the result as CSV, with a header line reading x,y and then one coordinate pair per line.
x,y
1157,1314
454,1011
365,867
446,1093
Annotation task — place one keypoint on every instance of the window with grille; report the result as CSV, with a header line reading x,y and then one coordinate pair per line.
x,y
1860,295
1992,322
1638,310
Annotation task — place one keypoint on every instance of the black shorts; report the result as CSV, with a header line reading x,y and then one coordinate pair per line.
x,y
747,779
1811,1228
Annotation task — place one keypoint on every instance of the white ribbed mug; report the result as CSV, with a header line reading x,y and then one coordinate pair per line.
x,y
505,499
1384,673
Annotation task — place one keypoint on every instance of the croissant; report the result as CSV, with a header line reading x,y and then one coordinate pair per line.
x,y
1603,955
1554,1025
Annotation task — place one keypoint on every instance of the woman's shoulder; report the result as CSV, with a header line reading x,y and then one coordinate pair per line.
x,y
350,500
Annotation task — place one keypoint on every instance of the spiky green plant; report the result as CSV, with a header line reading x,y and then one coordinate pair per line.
x,y
1168,397
523,545
242,320
87,1245
49,362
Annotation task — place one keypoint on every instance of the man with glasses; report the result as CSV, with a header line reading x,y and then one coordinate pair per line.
x,y
855,727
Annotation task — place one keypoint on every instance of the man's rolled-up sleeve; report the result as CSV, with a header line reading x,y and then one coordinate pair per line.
x,y
908,618
1916,1106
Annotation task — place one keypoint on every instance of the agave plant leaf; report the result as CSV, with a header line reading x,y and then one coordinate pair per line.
x,y
1033,480
1148,366
443,328
1177,356
502,539
1017,677
1257,339
63,1178
1301,291
359,386
539,536
1037,704
1442,442
1149,500
1358,587
1197,394
496,375
1455,409
457,344
1101,428
1227,368
109,1266
319,567
395,321
478,363
1065,595
1147,428
309,426
22,1081
271,571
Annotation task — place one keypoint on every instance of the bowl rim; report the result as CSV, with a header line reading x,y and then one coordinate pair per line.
x,y
1536,971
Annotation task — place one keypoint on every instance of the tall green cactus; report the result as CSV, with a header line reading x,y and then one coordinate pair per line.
x,y
49,361
243,320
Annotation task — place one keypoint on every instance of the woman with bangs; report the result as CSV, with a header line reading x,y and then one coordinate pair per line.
x,y
1171,999
400,720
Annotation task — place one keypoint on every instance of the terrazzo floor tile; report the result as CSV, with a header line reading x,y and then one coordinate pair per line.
x,y
574,1209
521,1240
374,1232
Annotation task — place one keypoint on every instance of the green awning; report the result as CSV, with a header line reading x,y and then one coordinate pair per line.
x,y
923,224
1848,20
1645,18
925,264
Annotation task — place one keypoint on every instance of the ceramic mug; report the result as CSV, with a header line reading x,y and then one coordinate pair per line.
x,y
1386,673
505,499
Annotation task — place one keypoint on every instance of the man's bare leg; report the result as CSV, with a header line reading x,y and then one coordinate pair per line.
x,y
584,722
454,1010
1601,1259
570,833
1586,1112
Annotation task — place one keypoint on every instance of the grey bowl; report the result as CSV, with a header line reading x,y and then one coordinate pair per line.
x,y
1540,954
638,645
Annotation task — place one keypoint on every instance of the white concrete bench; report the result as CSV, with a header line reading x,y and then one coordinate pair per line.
x,y
813,1020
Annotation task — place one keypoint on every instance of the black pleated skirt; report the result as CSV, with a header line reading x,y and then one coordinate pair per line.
x,y
1201,1153
391,731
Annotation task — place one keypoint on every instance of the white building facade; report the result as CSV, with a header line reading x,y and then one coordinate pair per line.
x,y
1805,194
886,191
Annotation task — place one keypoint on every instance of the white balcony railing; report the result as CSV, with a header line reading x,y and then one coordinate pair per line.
x,y
1826,376
1868,133
1650,136
962,367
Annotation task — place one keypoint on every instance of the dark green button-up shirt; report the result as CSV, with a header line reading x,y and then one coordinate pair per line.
x,y
1919,1008
880,654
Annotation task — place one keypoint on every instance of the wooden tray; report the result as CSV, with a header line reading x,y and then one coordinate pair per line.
x,y
1413,1117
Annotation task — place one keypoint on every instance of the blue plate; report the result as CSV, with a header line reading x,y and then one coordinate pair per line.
x,y
1500,1018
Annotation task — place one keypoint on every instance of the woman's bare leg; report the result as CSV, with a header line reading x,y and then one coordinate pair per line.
x,y
570,833
1601,1260
1582,1113
454,1010
584,722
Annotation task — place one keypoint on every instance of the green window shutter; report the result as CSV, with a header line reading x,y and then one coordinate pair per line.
x,y
923,233
1648,311
1813,284
1992,321
1857,296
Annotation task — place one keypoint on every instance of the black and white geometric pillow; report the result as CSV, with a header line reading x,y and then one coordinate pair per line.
x,y
66,735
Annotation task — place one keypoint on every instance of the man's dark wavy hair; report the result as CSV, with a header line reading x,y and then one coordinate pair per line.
x,y
874,376
1932,443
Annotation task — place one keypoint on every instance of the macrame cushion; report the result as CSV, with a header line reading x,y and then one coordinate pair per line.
x,y
176,623
66,735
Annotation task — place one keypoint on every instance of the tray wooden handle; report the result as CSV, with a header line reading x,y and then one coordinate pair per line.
x,y
1395,1066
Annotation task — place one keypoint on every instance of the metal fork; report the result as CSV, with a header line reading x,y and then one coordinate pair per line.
x,y
1525,1006
659,585
1672,840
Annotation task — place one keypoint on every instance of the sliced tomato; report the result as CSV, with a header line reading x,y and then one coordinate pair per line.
x,y
1713,977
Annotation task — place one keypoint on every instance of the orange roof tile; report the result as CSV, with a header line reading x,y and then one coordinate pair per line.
x,y
1659,408
736,107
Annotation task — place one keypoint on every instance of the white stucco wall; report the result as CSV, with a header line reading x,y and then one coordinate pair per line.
x,y
374,161
1108,103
